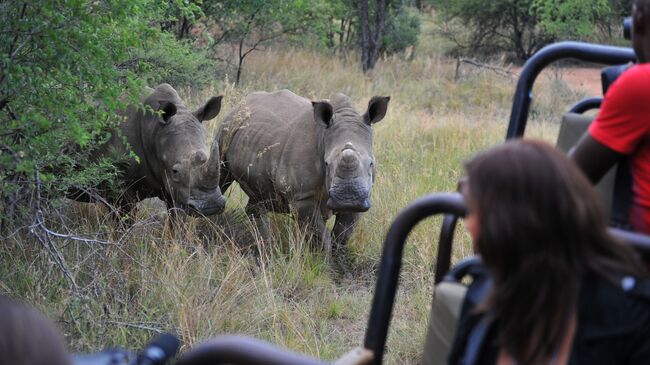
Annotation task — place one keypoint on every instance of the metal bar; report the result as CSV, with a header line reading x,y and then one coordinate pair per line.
x,y
638,241
391,262
585,105
443,259
237,350
608,55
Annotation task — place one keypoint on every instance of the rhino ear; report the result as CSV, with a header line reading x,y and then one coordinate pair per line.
x,y
210,110
168,110
377,107
322,113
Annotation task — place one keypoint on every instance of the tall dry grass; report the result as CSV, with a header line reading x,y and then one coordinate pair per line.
x,y
213,276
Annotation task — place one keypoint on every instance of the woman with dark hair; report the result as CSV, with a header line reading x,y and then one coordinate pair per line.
x,y
564,291
27,337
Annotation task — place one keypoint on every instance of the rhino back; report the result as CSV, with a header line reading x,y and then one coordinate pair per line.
x,y
269,142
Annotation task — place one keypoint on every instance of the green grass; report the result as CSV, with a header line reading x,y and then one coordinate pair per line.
x,y
215,276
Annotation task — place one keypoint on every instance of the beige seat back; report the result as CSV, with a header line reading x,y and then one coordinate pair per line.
x,y
571,130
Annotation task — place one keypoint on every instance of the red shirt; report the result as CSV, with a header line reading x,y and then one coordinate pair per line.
x,y
623,124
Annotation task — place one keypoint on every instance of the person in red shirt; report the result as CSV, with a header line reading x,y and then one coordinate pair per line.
x,y
622,127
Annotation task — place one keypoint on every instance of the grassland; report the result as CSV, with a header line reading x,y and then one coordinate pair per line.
x,y
215,276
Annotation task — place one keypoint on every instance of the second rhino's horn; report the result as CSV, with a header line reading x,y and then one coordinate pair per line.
x,y
210,169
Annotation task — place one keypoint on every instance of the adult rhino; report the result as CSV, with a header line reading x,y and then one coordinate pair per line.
x,y
173,163
313,159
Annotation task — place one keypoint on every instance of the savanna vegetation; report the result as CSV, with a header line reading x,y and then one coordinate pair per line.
x,y
68,67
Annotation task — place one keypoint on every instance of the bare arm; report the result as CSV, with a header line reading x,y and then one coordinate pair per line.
x,y
593,157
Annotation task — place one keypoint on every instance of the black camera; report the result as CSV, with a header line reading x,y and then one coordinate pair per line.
x,y
157,352
627,28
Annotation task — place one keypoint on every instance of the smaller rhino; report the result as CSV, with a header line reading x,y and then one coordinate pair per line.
x,y
174,163
313,159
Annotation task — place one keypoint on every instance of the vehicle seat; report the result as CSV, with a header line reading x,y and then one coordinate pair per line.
x,y
616,186
572,128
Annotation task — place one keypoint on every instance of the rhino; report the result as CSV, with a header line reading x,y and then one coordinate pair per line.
x,y
173,161
312,159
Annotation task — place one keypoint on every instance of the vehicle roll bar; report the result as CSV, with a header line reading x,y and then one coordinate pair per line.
x,y
586,104
239,350
608,55
391,263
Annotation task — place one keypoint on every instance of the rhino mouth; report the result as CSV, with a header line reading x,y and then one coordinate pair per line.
x,y
356,206
203,208
348,196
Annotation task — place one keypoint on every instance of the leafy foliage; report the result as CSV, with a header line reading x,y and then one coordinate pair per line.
x,y
402,31
570,19
66,69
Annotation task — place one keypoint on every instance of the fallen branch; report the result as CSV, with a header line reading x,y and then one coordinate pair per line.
x,y
45,240
498,70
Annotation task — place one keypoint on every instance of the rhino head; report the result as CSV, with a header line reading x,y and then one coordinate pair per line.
x,y
189,172
346,144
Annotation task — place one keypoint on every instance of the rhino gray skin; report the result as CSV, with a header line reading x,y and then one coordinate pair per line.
x,y
313,159
174,162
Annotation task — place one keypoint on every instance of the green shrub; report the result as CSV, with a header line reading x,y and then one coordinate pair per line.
x,y
402,31
174,62
66,68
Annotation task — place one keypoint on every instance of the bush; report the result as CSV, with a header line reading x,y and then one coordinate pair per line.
x,y
402,31
174,62
66,68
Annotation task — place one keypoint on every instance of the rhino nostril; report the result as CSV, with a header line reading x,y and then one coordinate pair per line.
x,y
192,205
176,169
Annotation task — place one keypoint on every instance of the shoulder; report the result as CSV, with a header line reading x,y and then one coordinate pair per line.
x,y
632,85
608,304
622,122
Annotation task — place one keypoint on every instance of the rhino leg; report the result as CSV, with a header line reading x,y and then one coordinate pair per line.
x,y
343,228
311,221
258,215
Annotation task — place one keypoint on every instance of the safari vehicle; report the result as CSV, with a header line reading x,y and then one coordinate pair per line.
x,y
241,350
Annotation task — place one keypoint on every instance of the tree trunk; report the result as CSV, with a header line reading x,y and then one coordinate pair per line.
x,y
370,37
240,64
183,27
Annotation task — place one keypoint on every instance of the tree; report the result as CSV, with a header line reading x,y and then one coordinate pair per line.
x,y
371,31
247,25
519,27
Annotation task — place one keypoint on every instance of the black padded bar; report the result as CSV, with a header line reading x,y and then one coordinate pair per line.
x,y
239,350
639,241
461,269
443,259
585,105
608,55
391,262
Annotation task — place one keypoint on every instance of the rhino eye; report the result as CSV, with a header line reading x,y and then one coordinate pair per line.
x,y
175,171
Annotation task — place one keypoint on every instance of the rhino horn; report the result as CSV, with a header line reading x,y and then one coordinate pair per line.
x,y
210,170
349,160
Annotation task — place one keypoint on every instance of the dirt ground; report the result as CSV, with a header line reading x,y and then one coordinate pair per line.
x,y
585,79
